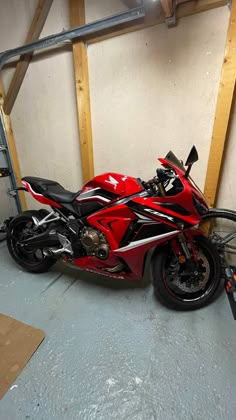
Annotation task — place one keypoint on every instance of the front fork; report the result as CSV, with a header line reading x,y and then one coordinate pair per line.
x,y
180,246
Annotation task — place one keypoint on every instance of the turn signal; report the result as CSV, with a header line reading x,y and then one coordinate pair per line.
x,y
182,259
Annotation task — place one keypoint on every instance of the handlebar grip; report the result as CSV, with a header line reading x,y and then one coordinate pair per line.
x,y
161,174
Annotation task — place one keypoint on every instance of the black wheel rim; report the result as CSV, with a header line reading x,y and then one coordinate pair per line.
x,y
23,230
189,288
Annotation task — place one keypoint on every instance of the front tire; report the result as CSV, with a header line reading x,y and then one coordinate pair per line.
x,y
181,292
31,260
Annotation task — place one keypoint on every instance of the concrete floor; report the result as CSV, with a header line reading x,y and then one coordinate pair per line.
x,y
116,354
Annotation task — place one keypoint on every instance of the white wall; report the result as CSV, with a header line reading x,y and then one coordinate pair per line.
x,y
44,117
156,90
151,91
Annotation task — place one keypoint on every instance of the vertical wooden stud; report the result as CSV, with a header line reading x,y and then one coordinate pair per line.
x,y
12,148
77,18
222,114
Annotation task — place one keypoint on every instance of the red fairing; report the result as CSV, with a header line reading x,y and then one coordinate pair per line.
x,y
39,197
188,186
94,265
121,185
133,257
128,219
113,222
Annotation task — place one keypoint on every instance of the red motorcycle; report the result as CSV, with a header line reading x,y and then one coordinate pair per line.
x,y
110,225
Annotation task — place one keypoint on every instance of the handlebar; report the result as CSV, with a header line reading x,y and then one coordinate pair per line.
x,y
156,184
162,175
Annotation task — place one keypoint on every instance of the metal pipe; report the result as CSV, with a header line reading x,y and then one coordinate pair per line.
x,y
228,238
3,138
79,32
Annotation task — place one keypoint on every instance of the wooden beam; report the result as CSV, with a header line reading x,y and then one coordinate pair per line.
x,y
77,18
167,6
12,148
198,6
131,4
36,27
153,18
222,113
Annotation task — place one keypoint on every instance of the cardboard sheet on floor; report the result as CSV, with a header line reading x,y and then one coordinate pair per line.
x,y
18,342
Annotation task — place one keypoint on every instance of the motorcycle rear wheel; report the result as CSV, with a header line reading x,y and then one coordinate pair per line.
x,y
180,292
31,260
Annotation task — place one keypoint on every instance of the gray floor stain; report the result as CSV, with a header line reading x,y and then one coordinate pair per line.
x,y
116,353
52,283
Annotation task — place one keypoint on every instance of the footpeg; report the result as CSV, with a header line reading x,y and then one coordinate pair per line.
x,y
230,287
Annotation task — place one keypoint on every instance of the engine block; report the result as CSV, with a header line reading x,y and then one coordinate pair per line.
x,y
94,242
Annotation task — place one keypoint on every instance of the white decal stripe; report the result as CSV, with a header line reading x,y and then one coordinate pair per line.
x,y
140,216
26,184
136,244
158,214
88,193
98,197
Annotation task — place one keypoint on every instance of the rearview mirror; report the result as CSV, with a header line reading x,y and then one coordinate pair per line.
x,y
192,157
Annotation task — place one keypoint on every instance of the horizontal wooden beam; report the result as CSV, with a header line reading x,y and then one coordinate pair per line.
x,y
77,18
130,3
222,114
189,8
12,148
36,27
153,18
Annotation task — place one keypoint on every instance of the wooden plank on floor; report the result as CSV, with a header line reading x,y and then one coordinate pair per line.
x,y
12,148
222,113
152,18
18,342
77,18
36,27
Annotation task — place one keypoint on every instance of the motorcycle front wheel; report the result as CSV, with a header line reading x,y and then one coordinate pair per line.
x,y
183,287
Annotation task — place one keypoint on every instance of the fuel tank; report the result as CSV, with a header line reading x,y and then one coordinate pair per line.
x,y
117,184
105,188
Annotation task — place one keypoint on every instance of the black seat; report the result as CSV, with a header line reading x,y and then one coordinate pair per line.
x,y
51,189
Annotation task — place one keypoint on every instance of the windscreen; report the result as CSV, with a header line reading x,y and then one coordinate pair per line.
x,y
170,157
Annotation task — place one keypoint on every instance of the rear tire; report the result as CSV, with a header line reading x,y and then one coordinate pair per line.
x,y
3,236
167,291
28,259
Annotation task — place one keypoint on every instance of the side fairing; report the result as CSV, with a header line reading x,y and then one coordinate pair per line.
x,y
113,222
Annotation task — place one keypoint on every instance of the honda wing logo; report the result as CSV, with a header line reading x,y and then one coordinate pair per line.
x,y
112,181
156,213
